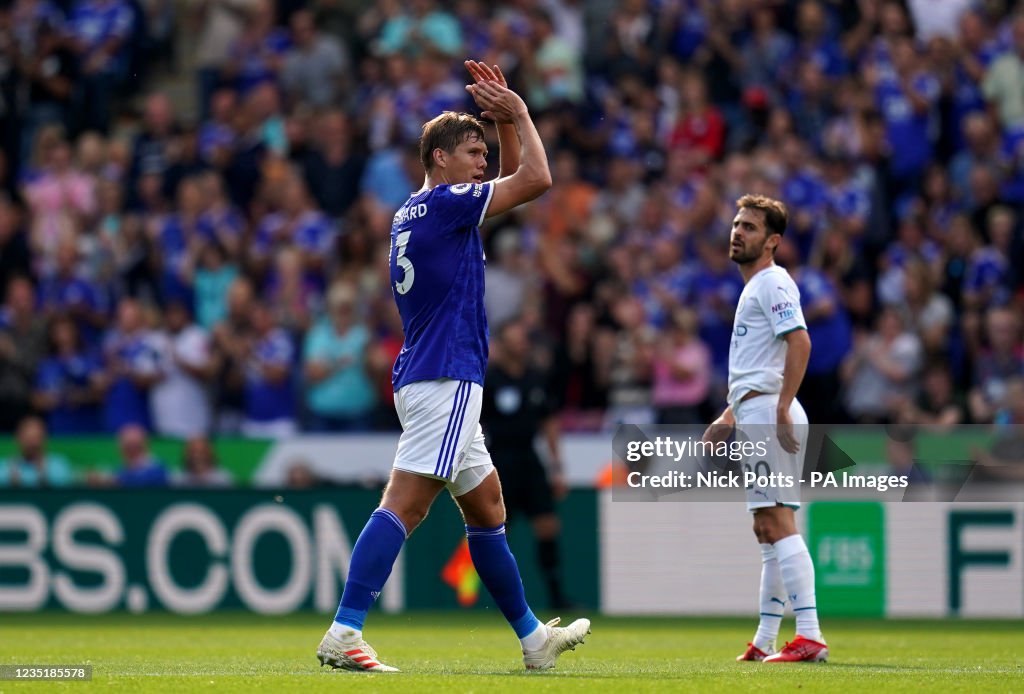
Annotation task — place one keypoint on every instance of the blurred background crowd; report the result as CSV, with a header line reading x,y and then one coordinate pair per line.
x,y
213,260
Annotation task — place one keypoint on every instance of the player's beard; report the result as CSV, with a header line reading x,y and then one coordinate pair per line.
x,y
745,254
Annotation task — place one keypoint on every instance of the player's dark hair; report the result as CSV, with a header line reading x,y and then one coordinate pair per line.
x,y
447,131
775,215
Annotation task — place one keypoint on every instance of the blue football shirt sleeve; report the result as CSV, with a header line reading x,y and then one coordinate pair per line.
x,y
464,205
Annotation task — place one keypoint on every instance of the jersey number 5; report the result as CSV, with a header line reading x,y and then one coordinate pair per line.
x,y
401,241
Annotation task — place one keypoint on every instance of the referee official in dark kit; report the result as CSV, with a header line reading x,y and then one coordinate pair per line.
x,y
517,405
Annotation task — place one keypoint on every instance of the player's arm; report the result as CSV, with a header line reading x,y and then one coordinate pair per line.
x,y
553,436
532,177
508,138
798,352
721,428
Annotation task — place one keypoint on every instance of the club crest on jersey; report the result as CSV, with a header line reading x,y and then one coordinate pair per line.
x,y
460,188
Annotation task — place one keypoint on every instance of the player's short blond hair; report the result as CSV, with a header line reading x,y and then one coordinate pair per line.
x,y
447,131
776,217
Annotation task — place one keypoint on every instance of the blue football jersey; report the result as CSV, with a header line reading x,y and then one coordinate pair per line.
x,y
437,277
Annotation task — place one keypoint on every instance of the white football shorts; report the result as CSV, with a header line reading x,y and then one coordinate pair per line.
x,y
441,434
777,472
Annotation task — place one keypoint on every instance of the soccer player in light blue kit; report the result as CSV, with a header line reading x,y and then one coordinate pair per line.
x,y
437,276
767,361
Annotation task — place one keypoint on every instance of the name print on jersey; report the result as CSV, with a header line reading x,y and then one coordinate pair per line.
x,y
411,212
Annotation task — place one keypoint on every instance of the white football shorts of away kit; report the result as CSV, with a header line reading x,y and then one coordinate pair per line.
x,y
441,434
756,421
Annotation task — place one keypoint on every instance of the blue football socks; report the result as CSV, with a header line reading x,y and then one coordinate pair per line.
x,y
499,573
372,558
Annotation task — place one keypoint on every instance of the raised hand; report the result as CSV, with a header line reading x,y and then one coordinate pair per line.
x,y
498,103
482,73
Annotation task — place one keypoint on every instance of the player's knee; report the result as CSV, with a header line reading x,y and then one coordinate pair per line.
x,y
413,518
765,528
410,516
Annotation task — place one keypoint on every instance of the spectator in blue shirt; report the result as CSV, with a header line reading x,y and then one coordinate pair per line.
x,y
816,42
830,329
33,466
69,384
340,392
258,54
268,393
907,100
68,291
139,467
99,32
300,225
132,364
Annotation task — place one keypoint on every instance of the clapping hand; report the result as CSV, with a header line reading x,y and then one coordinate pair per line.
x,y
491,93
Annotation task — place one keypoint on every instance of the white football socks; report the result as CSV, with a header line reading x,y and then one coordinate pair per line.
x,y
797,571
535,639
773,601
345,633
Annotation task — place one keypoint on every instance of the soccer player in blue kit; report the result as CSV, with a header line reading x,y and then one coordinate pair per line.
x,y
437,277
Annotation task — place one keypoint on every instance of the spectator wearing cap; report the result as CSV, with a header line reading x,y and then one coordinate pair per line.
x,y
33,466
341,394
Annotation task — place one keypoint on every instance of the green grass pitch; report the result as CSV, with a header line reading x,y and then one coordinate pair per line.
x,y
476,652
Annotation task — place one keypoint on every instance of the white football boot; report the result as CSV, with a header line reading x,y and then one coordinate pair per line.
x,y
560,640
357,656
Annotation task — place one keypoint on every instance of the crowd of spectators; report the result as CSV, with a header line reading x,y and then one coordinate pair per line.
x,y
223,270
